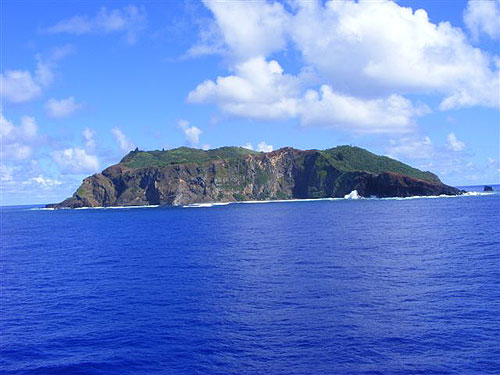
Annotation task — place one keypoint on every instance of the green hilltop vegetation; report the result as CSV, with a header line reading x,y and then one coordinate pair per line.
x,y
350,158
343,158
181,155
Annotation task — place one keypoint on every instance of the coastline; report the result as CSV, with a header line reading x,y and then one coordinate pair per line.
x,y
216,204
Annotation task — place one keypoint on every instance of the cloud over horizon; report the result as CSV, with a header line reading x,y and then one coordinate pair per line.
x,y
191,133
123,142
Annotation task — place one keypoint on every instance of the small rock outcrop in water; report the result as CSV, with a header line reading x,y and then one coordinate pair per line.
x,y
185,176
488,188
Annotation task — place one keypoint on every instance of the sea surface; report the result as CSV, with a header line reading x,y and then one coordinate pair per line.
x,y
368,286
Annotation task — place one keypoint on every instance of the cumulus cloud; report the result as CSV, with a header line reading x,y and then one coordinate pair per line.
x,y
19,86
483,17
191,133
264,147
75,160
43,182
259,89
392,114
247,28
453,143
363,68
414,55
129,20
17,141
62,108
122,140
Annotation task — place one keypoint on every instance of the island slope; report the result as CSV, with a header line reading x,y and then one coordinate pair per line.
x,y
185,176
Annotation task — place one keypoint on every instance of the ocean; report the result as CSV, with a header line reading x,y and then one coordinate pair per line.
x,y
368,286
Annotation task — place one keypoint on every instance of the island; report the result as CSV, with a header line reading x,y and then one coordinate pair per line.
x,y
184,176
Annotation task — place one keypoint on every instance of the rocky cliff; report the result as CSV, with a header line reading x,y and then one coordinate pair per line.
x,y
186,176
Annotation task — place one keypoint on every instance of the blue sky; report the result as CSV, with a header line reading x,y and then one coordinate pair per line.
x,y
84,82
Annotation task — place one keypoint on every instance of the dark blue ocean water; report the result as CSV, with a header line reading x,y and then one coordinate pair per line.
x,y
325,287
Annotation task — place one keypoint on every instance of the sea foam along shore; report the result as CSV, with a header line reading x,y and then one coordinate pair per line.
x,y
349,196
94,208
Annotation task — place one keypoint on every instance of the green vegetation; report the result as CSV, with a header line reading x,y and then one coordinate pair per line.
x,y
342,158
181,155
349,158
81,192
261,177
281,195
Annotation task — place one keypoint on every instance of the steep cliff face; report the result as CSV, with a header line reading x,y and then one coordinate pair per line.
x,y
186,176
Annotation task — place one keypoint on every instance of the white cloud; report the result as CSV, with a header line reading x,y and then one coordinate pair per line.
x,y
43,182
75,160
210,43
205,147
19,86
260,90
249,28
392,114
122,140
483,17
453,143
264,147
191,133
31,181
130,20
414,55
62,108
88,136
359,62
17,141
411,148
